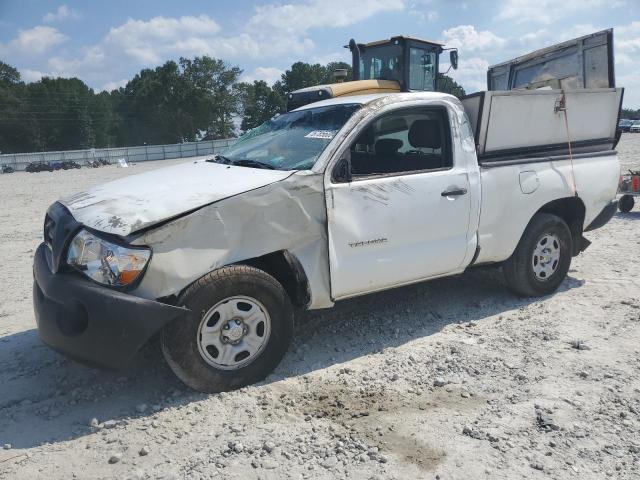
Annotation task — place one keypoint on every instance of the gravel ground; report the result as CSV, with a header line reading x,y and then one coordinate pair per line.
x,y
452,379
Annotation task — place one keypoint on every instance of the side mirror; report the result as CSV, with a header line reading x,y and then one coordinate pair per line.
x,y
342,171
453,59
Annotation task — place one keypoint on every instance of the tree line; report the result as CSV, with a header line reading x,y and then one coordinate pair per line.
x,y
192,99
630,114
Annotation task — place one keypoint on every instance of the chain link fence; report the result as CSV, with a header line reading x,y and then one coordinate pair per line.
x,y
18,161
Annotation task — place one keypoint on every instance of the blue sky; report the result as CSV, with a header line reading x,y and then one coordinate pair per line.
x,y
106,43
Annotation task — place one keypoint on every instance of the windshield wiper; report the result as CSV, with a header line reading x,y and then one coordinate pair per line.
x,y
219,159
241,163
252,163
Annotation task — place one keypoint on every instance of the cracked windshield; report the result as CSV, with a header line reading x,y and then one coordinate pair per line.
x,y
292,141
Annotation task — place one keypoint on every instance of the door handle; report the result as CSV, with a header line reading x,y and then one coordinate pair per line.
x,y
454,192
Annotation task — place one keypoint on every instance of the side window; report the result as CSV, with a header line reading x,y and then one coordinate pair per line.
x,y
403,141
422,66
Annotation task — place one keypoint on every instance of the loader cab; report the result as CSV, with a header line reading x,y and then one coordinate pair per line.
x,y
410,62
399,64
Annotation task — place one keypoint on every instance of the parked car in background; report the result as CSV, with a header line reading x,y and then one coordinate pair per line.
x,y
38,167
69,164
625,124
7,169
635,127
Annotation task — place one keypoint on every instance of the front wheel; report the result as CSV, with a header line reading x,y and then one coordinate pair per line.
x,y
241,327
542,258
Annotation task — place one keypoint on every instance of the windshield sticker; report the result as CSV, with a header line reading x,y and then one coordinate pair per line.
x,y
325,134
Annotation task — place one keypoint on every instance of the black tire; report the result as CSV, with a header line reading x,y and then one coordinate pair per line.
x,y
180,339
518,269
625,204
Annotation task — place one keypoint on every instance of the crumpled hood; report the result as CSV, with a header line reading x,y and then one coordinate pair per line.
x,y
138,201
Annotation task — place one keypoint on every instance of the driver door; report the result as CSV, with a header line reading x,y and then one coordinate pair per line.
x,y
404,216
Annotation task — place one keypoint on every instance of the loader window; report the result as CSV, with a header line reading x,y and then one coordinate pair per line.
x,y
405,141
422,65
383,62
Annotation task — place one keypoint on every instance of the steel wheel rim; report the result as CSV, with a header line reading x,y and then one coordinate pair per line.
x,y
546,257
234,332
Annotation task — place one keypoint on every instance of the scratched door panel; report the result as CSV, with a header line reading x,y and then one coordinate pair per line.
x,y
393,230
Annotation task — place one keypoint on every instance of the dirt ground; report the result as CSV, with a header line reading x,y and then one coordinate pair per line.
x,y
452,379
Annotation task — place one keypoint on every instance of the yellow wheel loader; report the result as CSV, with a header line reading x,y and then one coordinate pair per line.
x,y
400,64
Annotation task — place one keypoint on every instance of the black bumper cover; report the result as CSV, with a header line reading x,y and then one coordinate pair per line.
x,y
90,323
603,217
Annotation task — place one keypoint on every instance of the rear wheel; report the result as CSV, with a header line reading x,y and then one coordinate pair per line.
x,y
542,258
625,204
240,329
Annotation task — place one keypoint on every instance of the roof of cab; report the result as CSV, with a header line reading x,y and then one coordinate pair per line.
x,y
365,99
404,37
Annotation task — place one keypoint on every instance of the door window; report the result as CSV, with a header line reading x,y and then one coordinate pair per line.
x,y
403,141
422,65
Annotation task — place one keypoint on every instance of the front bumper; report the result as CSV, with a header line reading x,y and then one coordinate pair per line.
x,y
90,323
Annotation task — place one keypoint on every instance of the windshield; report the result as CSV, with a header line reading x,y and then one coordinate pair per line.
x,y
383,62
292,141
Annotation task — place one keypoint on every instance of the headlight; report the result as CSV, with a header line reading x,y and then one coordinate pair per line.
x,y
106,262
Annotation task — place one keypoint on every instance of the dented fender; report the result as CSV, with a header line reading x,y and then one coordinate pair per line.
x,y
286,215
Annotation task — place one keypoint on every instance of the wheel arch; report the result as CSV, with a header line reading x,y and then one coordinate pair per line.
x,y
286,269
572,210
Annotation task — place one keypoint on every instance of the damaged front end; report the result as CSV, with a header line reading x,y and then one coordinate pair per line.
x,y
78,314
288,216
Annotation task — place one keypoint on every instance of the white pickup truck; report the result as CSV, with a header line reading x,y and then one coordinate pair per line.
x,y
336,199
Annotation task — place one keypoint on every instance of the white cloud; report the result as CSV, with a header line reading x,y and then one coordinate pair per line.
x,y
152,41
627,50
268,74
549,11
62,13
274,31
343,55
628,38
471,73
421,9
109,86
35,41
468,39
28,75
298,19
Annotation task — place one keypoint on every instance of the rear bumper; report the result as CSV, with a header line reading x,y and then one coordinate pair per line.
x,y
603,217
90,323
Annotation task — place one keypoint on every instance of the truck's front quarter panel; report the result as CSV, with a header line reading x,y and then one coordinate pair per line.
x,y
289,215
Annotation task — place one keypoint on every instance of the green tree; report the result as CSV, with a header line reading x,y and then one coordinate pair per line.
x,y
259,103
62,111
301,75
211,96
151,108
332,67
630,114
16,127
8,74
446,84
